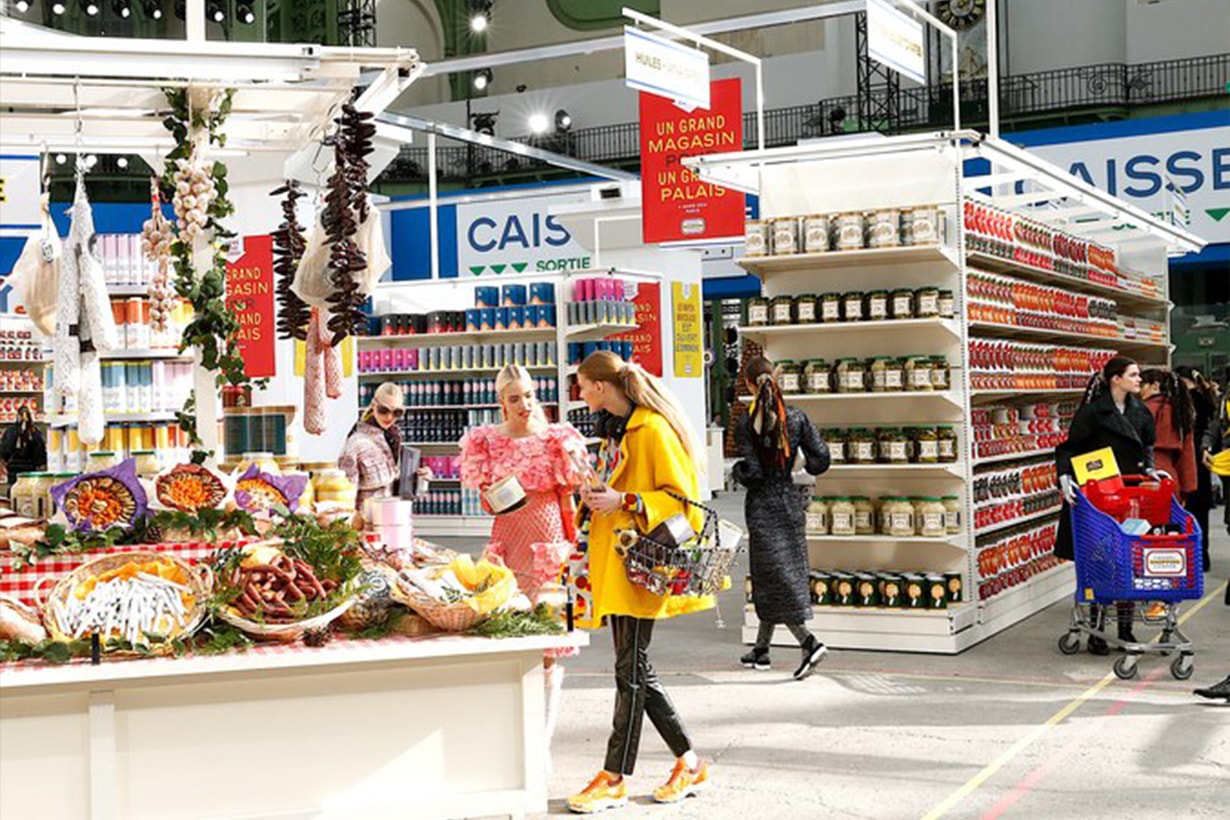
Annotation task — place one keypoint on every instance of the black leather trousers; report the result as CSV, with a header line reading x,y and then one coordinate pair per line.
x,y
638,692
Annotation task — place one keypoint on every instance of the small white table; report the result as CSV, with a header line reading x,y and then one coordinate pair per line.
x,y
438,727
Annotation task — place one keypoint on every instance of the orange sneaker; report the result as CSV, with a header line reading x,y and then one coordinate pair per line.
x,y
683,783
602,793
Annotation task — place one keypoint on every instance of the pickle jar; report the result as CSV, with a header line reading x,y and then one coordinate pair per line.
x,y
948,305
855,375
926,446
757,311
805,309
929,515
952,514
841,516
830,307
927,303
918,373
781,310
817,376
817,516
946,442
864,515
941,374
852,306
880,367
861,447
893,447
836,442
789,377
877,305
901,304
896,517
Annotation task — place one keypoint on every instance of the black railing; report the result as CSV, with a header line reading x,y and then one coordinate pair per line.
x,y
1059,91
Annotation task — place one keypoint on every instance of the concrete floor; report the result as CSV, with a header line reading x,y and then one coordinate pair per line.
x,y
1010,728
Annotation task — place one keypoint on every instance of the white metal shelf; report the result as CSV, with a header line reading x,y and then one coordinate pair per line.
x,y
846,260
1123,298
40,391
1039,335
161,353
128,290
70,419
907,396
596,332
948,541
421,340
944,329
453,526
1024,394
1015,522
947,470
446,374
980,462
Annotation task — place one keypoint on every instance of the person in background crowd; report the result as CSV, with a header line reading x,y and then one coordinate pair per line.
x,y
371,457
1217,439
648,461
770,438
1174,453
535,539
1112,415
1204,400
22,450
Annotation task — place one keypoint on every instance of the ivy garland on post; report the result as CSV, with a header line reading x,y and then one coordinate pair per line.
x,y
199,193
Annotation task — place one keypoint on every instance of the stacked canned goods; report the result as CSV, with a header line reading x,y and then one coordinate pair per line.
x,y
885,589
846,231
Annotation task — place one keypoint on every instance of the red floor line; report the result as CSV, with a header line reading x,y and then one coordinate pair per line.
x,y
1031,780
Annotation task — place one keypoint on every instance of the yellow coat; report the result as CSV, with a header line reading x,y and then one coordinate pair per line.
x,y
652,463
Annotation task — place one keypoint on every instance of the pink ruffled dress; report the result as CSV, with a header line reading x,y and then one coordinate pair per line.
x,y
535,540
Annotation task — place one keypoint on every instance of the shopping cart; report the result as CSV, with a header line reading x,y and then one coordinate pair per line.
x,y
701,566
1113,567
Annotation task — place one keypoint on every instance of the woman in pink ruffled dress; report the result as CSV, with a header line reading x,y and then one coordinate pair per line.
x,y
534,540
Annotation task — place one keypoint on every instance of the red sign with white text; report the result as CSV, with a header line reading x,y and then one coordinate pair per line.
x,y
249,292
647,338
676,204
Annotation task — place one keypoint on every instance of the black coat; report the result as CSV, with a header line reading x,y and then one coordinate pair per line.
x,y
776,514
1130,435
29,456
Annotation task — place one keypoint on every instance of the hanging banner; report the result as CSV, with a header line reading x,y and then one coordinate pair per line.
x,y
249,292
647,338
689,332
896,40
676,204
656,65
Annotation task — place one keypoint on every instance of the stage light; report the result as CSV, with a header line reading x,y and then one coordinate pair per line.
x,y
215,12
122,7
480,15
153,9
90,7
244,13
22,6
482,78
484,122
58,8
61,158
563,121
122,162
539,123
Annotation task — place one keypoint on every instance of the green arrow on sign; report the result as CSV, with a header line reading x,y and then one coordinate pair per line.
x,y
498,268
520,267
1217,213
477,269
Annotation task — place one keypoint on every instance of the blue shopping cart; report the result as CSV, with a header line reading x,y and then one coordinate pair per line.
x,y
1114,568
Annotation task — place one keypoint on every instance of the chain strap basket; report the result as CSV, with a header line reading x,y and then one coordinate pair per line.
x,y
699,567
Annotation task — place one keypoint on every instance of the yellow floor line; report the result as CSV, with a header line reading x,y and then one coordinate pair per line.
x,y
994,766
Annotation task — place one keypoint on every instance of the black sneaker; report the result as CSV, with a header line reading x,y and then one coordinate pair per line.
x,y
1097,646
757,659
813,652
1218,691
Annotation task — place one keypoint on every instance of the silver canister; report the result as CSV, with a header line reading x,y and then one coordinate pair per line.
x,y
884,229
785,236
848,235
816,237
756,237
924,226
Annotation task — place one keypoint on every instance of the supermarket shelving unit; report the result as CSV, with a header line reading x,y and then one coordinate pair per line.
x,y
928,170
22,322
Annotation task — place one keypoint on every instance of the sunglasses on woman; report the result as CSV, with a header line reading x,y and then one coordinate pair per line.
x,y
389,411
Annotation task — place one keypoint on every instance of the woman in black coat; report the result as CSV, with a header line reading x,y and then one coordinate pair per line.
x,y
769,438
1111,415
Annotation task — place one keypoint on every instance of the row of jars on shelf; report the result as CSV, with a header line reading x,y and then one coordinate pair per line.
x,y
1023,479
881,374
892,445
1003,298
877,305
1016,576
1010,236
995,513
23,380
1002,364
896,516
848,231
1016,547
1005,429
20,346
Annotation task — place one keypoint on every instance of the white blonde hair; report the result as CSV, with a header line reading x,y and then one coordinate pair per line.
x,y
515,374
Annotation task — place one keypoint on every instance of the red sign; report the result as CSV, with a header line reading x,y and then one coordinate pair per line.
x,y
647,338
249,292
676,204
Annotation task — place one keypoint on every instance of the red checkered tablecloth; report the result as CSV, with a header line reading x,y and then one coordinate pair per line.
x,y
20,583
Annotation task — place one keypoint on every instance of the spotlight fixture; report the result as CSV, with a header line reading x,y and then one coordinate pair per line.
x,y
122,162
244,13
482,79
90,7
61,158
539,123
153,9
22,6
122,7
563,122
480,14
58,8
91,160
215,12
484,122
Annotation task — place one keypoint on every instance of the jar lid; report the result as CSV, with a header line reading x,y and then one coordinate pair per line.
x,y
951,498
930,498
862,498
819,498
143,452
103,454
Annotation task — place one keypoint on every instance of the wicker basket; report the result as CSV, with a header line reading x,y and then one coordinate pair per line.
x,y
456,617
286,633
200,582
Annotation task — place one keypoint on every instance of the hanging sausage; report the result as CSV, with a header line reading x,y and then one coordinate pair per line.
x,y
288,246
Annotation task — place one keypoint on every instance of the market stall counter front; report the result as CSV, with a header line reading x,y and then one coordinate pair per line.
x,y
442,727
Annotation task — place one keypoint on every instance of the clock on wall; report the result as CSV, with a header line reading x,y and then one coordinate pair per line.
x,y
961,14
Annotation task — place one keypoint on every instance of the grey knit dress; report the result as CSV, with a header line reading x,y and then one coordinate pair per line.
x,y
776,512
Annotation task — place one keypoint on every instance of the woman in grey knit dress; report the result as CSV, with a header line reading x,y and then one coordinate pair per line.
x,y
769,438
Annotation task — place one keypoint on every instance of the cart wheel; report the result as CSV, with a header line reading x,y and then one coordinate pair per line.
x,y
1070,643
1125,667
1182,667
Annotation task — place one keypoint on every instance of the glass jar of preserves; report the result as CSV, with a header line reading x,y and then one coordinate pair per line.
x,y
817,376
884,228
929,513
882,368
864,516
841,516
805,309
918,373
948,305
785,235
952,514
789,377
830,307
927,303
817,516
901,304
781,310
22,495
861,446
757,311
892,446
848,235
877,305
940,373
926,445
836,442
851,376
852,306
896,517
816,233
101,460
946,441
147,462
755,238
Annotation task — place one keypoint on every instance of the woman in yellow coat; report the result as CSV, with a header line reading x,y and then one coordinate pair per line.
x,y
648,456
